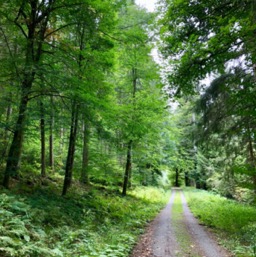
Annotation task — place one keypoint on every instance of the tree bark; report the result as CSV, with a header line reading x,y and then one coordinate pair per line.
x,y
71,149
128,168
177,184
42,130
84,172
51,138
252,158
187,180
13,158
6,130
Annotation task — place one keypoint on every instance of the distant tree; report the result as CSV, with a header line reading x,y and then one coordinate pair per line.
x,y
139,104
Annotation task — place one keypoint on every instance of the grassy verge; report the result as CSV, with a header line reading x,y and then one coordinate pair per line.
x,y
235,223
93,222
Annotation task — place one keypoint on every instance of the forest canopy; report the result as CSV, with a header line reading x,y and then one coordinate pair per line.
x,y
83,99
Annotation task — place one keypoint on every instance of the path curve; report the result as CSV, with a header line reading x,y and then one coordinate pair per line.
x,y
161,239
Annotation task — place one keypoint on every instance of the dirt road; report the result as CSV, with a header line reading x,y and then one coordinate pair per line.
x,y
176,233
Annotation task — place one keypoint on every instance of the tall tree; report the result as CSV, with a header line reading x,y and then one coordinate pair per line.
x,y
90,48
227,108
138,98
30,20
202,37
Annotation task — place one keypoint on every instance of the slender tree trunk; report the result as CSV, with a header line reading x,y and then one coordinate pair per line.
x,y
128,168
71,149
84,172
51,138
130,178
252,158
251,149
6,131
61,146
42,130
13,158
177,184
187,180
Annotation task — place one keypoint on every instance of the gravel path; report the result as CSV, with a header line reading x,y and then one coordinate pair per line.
x,y
162,238
164,242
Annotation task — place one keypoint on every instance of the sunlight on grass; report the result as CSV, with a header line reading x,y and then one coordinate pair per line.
x,y
235,222
96,222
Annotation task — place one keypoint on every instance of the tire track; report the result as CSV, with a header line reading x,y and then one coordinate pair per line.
x,y
202,239
165,235
164,243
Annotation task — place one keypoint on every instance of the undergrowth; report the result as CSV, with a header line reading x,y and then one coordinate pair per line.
x,y
93,222
234,222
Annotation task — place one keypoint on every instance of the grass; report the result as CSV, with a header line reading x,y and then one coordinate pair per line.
x,y
234,222
89,222
183,238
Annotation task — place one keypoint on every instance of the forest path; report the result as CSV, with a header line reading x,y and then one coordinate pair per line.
x,y
176,233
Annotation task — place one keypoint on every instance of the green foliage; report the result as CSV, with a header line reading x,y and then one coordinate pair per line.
x,y
98,222
212,40
235,220
201,37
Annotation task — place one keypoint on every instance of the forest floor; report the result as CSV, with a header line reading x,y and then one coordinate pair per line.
x,y
176,233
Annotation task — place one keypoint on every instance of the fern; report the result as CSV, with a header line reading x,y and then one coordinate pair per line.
x,y
7,251
97,224
7,241
38,250
20,207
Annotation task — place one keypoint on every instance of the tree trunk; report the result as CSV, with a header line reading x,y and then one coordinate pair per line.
x,y
130,178
187,180
177,184
6,130
61,145
14,155
252,158
51,138
42,130
71,149
84,172
34,39
128,168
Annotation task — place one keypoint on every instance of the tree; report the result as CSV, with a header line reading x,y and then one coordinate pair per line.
x,y
32,20
57,43
139,103
90,47
228,110
200,38
203,40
